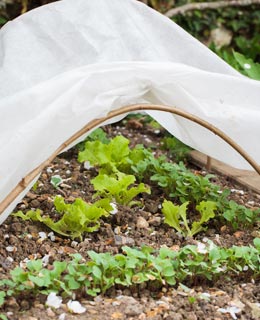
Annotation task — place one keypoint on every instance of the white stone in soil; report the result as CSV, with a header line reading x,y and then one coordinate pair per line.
x,y
53,300
75,307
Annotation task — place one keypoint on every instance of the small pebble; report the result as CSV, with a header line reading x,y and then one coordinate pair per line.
x,y
50,313
255,233
142,223
120,240
9,314
98,299
87,165
155,221
74,244
117,230
237,191
49,170
42,235
10,259
62,316
45,260
11,249
12,303
52,236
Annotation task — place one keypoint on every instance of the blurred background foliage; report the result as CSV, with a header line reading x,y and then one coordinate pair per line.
x,y
224,30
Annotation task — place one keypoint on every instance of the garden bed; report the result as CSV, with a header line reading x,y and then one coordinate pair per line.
x,y
228,295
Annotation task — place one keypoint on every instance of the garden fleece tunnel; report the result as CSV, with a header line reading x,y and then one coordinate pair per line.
x,y
73,65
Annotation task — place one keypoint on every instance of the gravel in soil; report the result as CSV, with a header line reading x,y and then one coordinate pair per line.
x,y
135,226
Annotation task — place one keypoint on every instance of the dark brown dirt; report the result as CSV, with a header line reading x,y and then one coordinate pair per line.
x,y
134,226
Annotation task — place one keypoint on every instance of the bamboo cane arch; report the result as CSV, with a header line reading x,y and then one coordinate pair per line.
x,y
21,186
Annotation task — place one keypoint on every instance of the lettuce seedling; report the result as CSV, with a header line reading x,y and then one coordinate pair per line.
x,y
75,218
109,155
2,297
240,217
118,187
176,216
133,265
113,156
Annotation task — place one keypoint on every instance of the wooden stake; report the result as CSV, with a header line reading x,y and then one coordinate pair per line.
x,y
208,164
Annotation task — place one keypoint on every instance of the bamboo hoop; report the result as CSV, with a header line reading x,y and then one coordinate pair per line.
x,y
21,186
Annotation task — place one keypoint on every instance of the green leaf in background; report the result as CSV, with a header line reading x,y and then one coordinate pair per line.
x,y
100,135
2,20
249,47
251,68
176,148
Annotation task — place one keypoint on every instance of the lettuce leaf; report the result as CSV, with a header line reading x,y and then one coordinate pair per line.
x,y
176,216
112,154
118,187
75,219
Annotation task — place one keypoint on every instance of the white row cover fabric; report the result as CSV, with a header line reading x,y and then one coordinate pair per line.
x,y
72,61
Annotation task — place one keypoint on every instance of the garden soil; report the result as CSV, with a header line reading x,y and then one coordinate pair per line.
x,y
136,226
